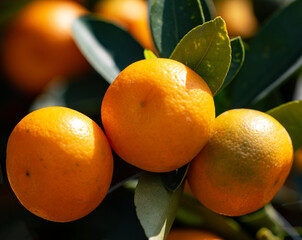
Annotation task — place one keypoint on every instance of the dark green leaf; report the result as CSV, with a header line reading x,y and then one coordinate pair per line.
x,y
170,20
290,115
107,47
155,205
237,60
173,180
149,54
208,9
272,56
269,218
83,93
206,49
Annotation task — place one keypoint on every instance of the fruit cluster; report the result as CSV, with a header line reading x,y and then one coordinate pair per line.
x,y
158,115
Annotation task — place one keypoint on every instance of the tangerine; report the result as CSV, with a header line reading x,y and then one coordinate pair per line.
x,y
239,17
158,114
192,234
130,14
244,163
38,45
59,163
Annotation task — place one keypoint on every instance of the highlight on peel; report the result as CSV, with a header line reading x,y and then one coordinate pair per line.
x,y
192,234
243,165
59,164
129,14
158,114
38,46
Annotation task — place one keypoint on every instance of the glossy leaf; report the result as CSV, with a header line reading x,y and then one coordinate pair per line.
x,y
208,9
107,47
170,20
206,49
174,179
272,56
155,205
149,54
290,115
237,59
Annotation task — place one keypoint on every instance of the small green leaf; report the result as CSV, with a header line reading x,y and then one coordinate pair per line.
x,y
103,44
174,179
272,56
149,54
155,206
206,49
290,115
170,20
238,54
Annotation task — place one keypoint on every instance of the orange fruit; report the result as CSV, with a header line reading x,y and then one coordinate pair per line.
x,y
59,163
192,234
158,114
130,14
38,45
244,163
239,17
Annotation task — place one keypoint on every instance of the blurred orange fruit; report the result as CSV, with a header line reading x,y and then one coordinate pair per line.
x,y
130,14
38,45
239,17
158,114
59,163
192,234
244,163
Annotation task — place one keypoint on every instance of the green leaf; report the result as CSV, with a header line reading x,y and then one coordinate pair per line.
x,y
238,54
208,9
155,206
149,54
272,56
174,179
82,93
206,49
195,215
107,47
290,115
267,217
170,20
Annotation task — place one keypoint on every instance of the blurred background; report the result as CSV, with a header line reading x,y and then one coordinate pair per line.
x,y
40,65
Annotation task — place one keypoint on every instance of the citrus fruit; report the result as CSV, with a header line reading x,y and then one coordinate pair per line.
x,y
130,14
244,163
239,17
38,45
158,114
59,163
192,234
